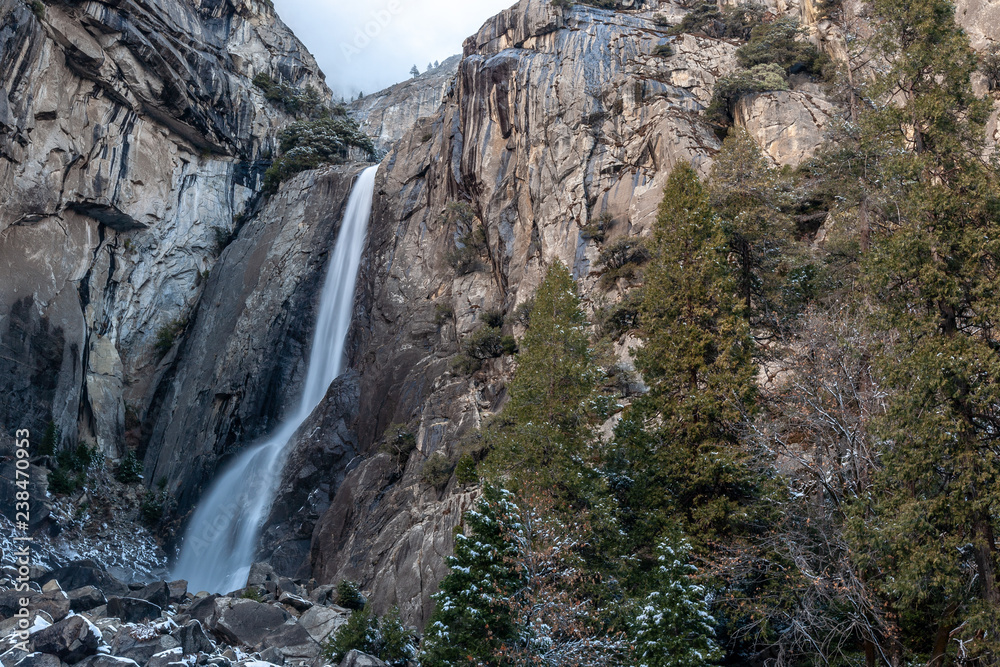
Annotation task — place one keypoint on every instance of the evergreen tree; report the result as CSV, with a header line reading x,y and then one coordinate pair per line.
x,y
697,361
414,72
674,627
472,618
544,437
926,534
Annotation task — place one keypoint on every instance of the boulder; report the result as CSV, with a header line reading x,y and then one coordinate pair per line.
x,y
71,639
260,573
204,610
11,657
321,622
133,610
85,573
10,601
158,593
294,601
293,641
359,659
85,598
141,650
247,622
177,590
164,658
194,639
40,660
55,603
101,660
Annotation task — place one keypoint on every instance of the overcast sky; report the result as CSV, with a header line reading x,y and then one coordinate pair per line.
x,y
367,45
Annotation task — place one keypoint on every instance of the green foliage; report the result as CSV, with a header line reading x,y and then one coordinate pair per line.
x,y
465,470
522,313
167,335
674,627
492,318
129,470
349,596
38,9
436,470
926,531
622,259
488,343
775,277
617,319
50,439
545,433
697,363
63,482
398,442
385,638
730,88
781,42
663,51
308,102
443,313
252,593
311,143
989,65
598,227
470,244
151,509
730,23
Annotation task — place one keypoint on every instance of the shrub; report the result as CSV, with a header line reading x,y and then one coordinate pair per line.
x,y
384,638
621,259
252,593
443,312
663,51
522,313
62,482
398,443
309,144
492,318
989,65
465,471
129,470
167,335
598,227
489,343
308,102
436,471
470,246
223,237
780,43
349,596
660,20
729,89
730,23
151,508
38,8
618,319
50,439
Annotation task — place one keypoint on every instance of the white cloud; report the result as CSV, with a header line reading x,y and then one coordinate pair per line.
x,y
367,45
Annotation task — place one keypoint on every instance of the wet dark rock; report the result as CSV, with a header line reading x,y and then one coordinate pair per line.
x,y
128,646
133,610
247,622
194,639
85,598
203,610
85,573
71,639
158,593
177,590
40,660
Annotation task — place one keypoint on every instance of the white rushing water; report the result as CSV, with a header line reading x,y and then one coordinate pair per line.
x,y
221,539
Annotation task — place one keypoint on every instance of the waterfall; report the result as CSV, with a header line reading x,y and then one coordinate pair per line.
x,y
221,539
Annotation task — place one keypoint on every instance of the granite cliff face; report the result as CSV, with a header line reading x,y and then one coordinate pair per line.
x,y
148,286
130,145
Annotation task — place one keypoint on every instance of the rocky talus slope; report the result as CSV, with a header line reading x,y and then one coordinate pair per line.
x,y
81,615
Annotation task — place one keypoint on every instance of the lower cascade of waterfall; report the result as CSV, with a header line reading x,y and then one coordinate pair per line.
x,y
221,539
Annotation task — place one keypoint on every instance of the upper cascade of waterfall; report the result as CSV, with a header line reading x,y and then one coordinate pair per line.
x,y
221,539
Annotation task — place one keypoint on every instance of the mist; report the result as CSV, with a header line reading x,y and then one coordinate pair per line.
x,y
367,45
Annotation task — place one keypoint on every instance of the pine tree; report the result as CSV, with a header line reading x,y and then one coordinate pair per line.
x,y
472,618
543,438
696,360
926,534
674,627
414,72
